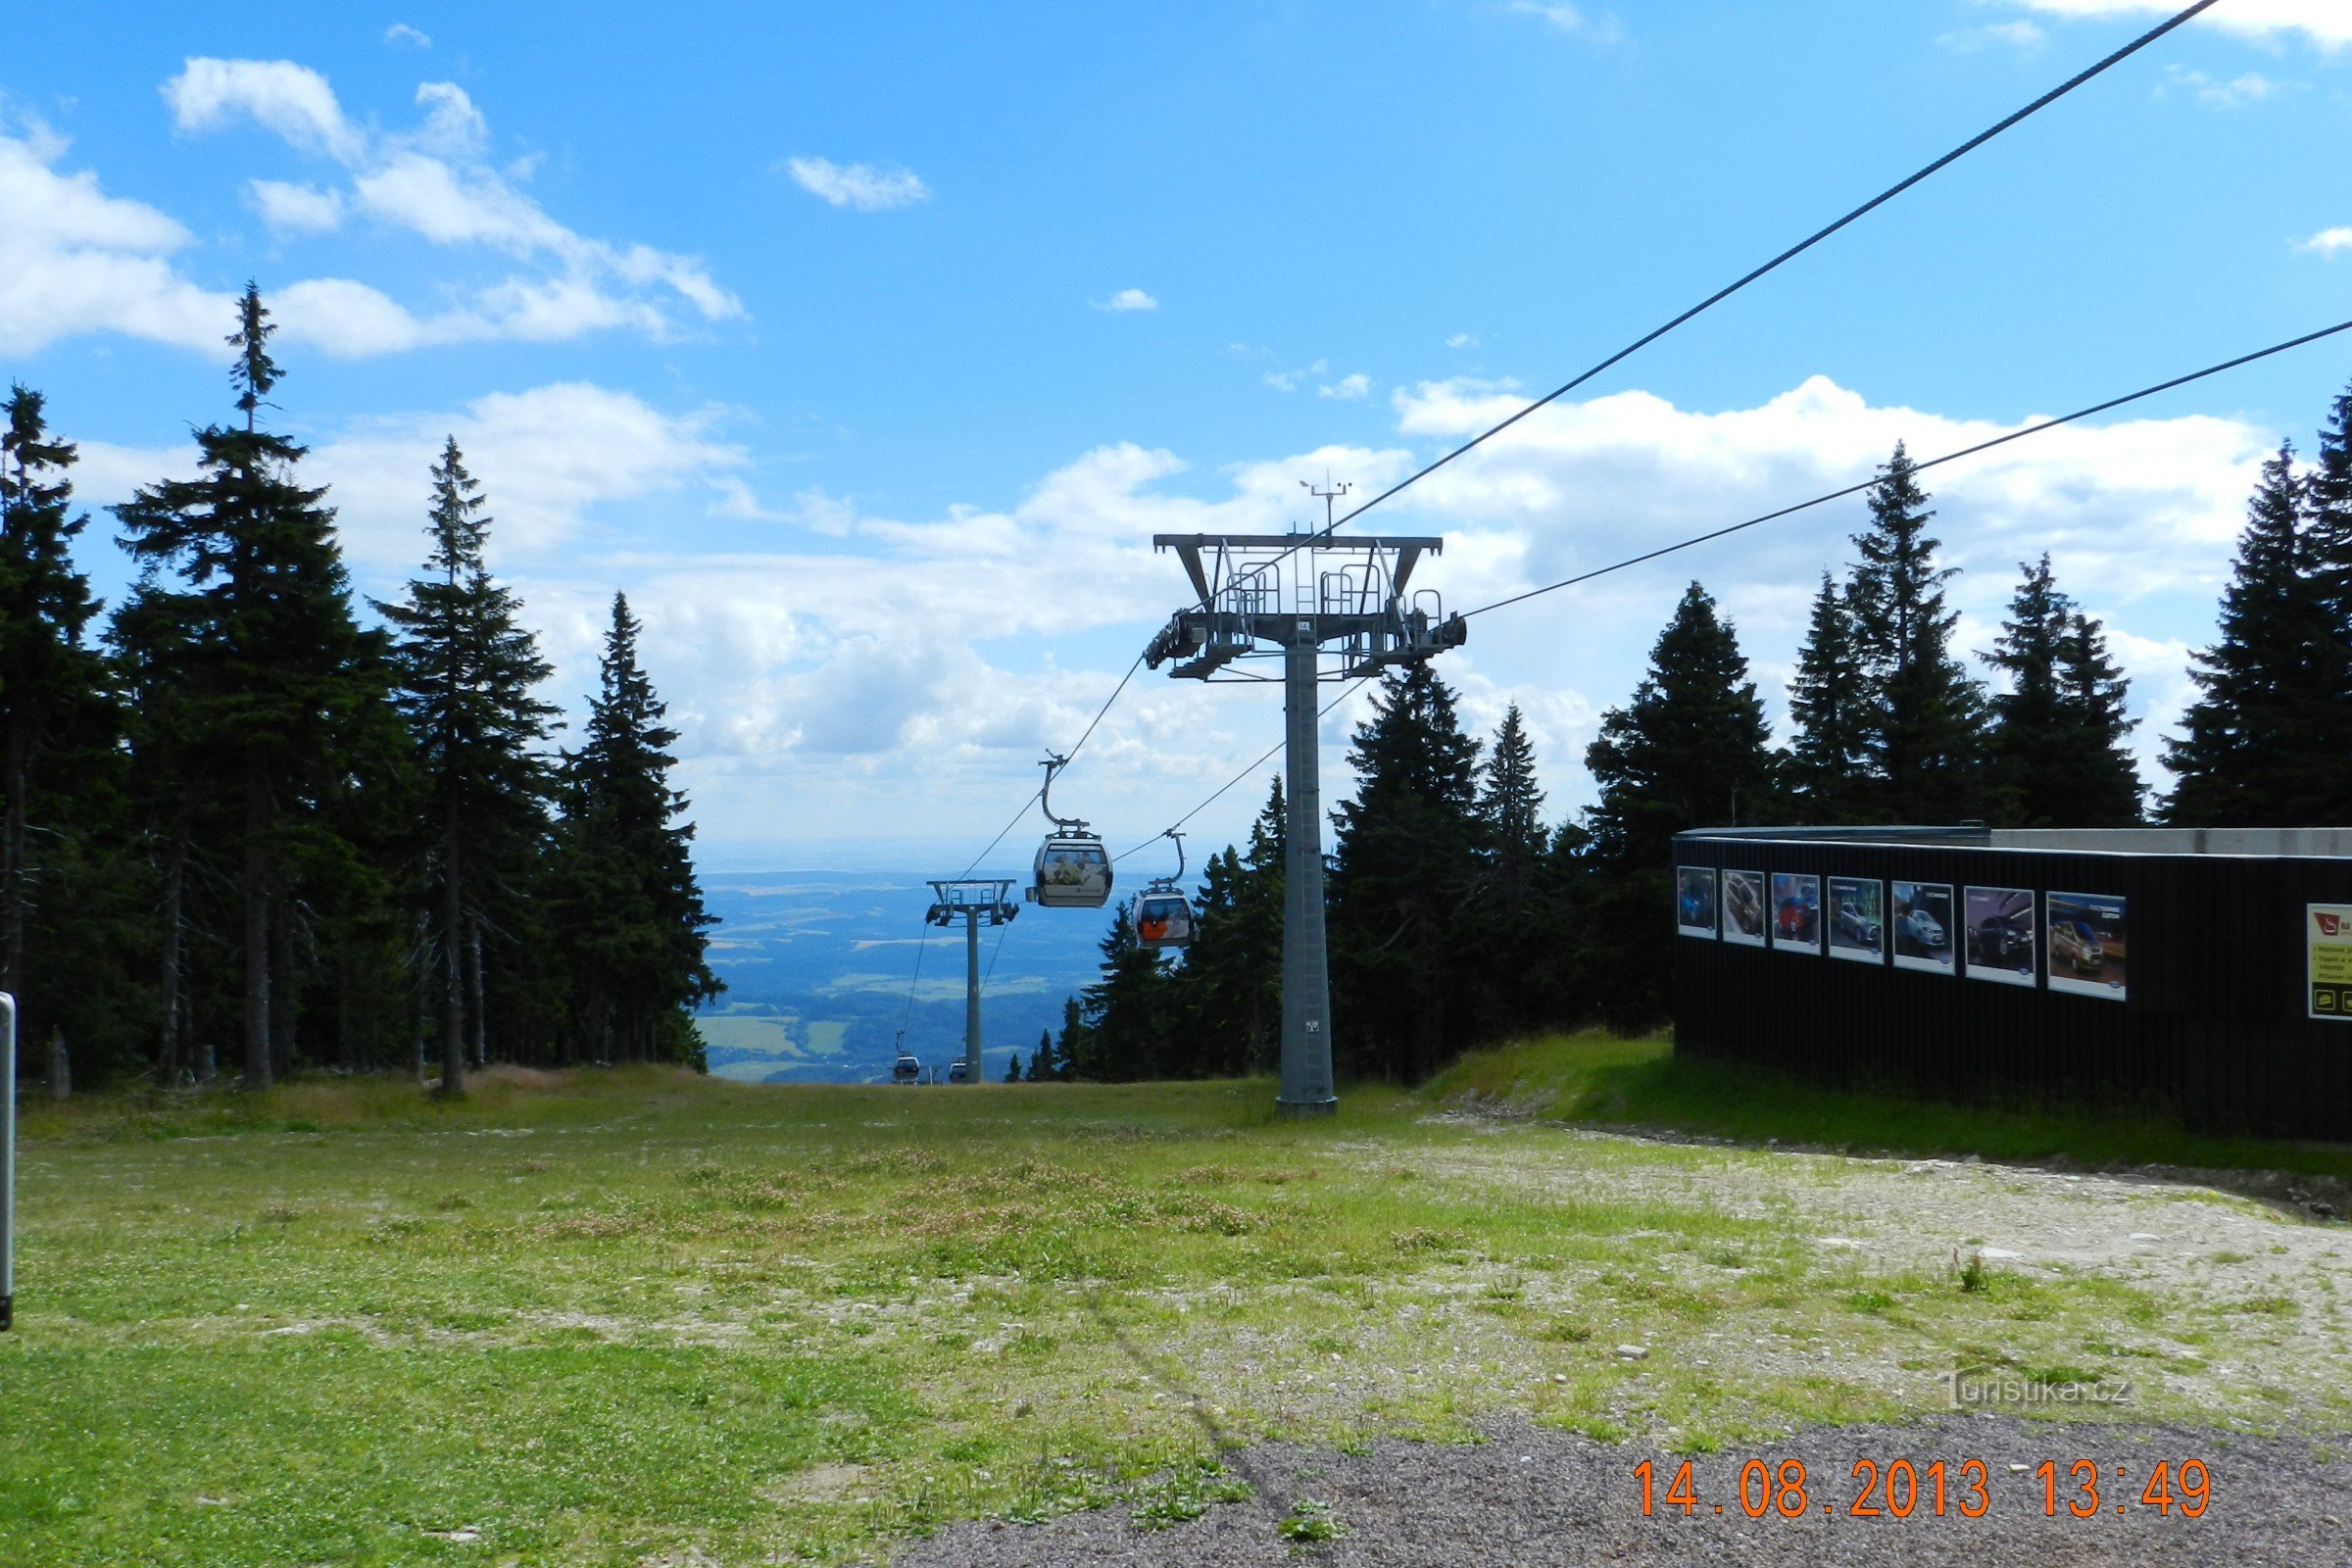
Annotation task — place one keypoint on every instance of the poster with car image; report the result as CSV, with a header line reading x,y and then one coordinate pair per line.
x,y
1797,913
1694,900
2328,942
1743,908
1920,913
1857,919
1996,926
2087,947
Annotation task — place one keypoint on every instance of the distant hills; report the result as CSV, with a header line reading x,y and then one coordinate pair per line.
x,y
820,964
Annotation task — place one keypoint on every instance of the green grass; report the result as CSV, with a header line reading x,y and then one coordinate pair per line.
x,y
628,1318
1640,1085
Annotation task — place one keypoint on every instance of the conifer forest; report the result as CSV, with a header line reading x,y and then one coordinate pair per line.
x,y
254,826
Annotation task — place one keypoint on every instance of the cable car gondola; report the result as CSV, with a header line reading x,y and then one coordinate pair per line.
x,y
1073,870
906,1067
1161,914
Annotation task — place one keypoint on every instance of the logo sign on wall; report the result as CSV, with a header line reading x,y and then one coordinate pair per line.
x,y
1857,919
1694,900
1797,913
2327,934
1997,930
1743,908
2086,942
1924,936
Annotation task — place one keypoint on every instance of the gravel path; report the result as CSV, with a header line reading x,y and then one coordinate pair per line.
x,y
1537,1497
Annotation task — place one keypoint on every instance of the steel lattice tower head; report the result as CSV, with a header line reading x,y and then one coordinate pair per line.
x,y
1290,595
977,903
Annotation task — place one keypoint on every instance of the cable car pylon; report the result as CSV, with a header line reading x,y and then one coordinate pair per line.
x,y
976,901
1262,596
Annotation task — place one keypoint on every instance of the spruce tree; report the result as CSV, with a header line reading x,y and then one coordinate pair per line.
x,y
468,674
2329,554
1128,1013
1404,874
1827,772
1073,1050
2057,749
629,916
1510,812
1925,734
1228,993
1691,749
279,679
46,674
2257,747
1517,924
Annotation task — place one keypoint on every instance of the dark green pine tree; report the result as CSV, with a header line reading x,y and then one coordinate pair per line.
x,y
1073,1049
1013,1067
1128,1013
48,677
2328,550
628,916
2095,692
469,672
2256,747
1041,1060
1926,730
1229,989
277,678
1520,926
2057,746
1405,873
1691,749
1827,771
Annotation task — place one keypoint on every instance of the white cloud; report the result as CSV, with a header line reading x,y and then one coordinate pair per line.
x,y
297,208
2325,22
1128,299
292,100
2247,88
73,259
860,185
400,32
1347,386
433,181
2329,242
1289,381
1568,17
1462,340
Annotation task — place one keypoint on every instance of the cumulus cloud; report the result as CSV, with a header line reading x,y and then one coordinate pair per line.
x,y
1290,380
1462,340
1347,386
2249,87
2329,242
74,260
2325,22
1128,299
296,208
858,185
400,32
433,181
1568,17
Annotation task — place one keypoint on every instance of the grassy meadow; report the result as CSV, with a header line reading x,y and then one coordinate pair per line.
x,y
637,1317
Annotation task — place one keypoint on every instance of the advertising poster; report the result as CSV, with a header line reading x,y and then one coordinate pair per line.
x,y
2327,936
1797,913
1694,900
1922,917
1743,908
2086,946
1857,919
1997,928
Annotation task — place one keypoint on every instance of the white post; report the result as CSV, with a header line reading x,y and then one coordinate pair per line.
x,y
8,1160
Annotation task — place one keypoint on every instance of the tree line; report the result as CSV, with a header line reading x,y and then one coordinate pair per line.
x,y
249,828
1459,917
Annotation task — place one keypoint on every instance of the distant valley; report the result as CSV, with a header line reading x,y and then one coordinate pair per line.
x,y
819,966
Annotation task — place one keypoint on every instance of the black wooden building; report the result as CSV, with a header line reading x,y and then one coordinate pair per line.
x,y
2200,973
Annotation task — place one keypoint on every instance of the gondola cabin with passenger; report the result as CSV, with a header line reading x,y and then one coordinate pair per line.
x,y
1162,915
1073,869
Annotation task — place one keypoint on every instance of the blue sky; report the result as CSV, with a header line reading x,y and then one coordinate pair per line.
x,y
865,347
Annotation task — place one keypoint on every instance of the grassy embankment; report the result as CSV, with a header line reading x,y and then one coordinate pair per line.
x,y
626,1317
